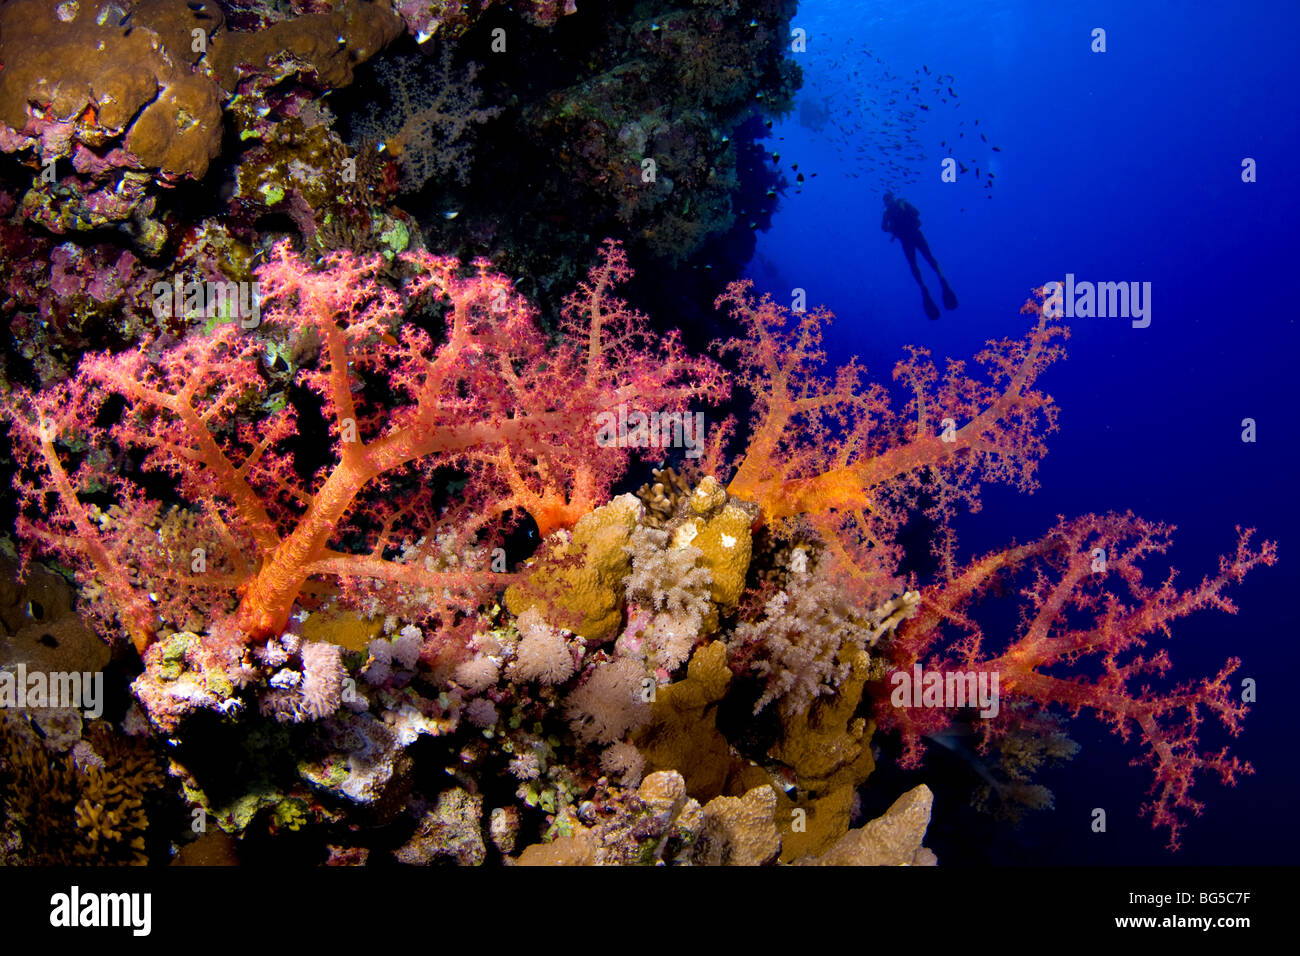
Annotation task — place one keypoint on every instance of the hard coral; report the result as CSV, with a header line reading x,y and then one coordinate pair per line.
x,y
67,814
134,94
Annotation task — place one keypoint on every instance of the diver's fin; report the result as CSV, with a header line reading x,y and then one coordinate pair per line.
x,y
931,309
949,299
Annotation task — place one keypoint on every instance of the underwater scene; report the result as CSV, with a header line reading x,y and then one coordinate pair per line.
x,y
647,432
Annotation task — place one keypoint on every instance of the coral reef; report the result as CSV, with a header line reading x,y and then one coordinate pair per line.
x,y
516,444
86,806
132,95
346,515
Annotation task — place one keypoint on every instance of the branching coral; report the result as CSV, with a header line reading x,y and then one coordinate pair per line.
x,y
76,815
843,457
1082,644
430,126
489,397
842,454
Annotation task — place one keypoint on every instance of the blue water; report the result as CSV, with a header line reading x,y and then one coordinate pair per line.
x,y
1115,166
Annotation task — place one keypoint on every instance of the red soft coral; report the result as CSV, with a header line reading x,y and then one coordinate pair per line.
x,y
844,455
1086,621
488,396
856,465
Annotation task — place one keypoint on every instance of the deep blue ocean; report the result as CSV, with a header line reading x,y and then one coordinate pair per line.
x,y
1122,165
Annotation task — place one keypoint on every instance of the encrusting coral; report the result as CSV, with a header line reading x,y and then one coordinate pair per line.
x,y
133,93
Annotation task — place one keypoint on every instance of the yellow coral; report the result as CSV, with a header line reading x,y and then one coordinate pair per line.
x,y
582,578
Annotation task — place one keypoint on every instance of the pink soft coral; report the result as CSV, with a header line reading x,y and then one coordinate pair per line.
x,y
856,465
488,395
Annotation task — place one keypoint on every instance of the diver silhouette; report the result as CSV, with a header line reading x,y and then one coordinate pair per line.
x,y
903,221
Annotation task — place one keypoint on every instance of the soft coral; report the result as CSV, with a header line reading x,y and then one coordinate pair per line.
x,y
490,396
846,458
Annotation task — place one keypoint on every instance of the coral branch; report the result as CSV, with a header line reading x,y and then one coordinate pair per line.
x,y
1082,644
492,399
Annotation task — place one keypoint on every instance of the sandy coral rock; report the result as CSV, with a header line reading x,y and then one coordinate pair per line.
x,y
823,821
582,577
727,545
328,44
92,70
40,627
709,495
739,831
682,734
663,793
137,92
451,831
826,745
365,763
893,839
348,629
576,850
656,824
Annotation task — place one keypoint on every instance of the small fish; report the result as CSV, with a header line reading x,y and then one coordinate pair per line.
x,y
951,93
451,214
997,149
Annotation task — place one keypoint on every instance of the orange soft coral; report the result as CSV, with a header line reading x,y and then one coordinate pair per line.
x,y
844,455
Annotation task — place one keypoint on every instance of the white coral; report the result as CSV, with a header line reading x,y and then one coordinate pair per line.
x,y
612,701
543,653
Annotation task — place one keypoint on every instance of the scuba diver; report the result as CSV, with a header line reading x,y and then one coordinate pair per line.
x,y
903,221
